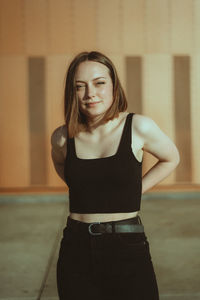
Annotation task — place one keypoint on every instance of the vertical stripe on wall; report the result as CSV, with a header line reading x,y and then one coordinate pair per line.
x,y
134,83
36,68
182,117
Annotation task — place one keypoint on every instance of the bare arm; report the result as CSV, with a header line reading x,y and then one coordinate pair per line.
x,y
161,146
57,152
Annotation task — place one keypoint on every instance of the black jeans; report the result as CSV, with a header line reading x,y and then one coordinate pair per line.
x,y
110,266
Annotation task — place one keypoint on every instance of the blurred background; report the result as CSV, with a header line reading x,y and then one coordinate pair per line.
x,y
155,46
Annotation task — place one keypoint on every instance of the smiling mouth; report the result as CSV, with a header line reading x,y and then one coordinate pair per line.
x,y
92,103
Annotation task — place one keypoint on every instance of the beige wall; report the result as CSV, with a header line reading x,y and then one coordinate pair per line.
x,y
155,42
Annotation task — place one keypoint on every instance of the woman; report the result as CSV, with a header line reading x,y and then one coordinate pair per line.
x,y
104,252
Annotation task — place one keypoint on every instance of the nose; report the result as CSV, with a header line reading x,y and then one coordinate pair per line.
x,y
90,91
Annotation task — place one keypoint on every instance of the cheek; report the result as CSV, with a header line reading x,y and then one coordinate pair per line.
x,y
107,92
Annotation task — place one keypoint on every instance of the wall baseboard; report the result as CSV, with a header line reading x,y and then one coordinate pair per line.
x,y
62,190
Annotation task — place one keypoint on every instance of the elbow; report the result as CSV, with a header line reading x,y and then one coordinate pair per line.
x,y
176,163
174,160
177,160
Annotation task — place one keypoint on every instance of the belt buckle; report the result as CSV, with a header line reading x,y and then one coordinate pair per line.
x,y
94,233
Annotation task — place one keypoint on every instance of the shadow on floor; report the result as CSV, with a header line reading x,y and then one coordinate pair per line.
x,y
31,231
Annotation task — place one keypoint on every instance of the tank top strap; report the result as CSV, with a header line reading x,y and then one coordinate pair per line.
x,y
125,142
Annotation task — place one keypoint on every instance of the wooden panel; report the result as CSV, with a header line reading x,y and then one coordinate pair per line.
x,y
195,113
133,26
196,28
14,130
109,26
134,83
119,62
55,83
61,26
37,120
182,26
182,116
36,26
157,26
12,27
84,32
158,99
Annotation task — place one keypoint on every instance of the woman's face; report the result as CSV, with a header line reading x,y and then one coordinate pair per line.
x,y
94,88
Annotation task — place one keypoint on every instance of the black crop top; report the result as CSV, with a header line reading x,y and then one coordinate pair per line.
x,y
104,185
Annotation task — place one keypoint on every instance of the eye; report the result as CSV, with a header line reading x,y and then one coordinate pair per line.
x,y
79,86
101,82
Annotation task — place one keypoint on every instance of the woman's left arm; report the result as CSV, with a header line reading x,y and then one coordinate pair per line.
x,y
161,146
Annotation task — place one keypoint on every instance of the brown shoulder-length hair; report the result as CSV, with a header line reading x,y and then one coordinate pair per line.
x,y
74,119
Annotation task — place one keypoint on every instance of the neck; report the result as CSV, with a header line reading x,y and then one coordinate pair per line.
x,y
96,124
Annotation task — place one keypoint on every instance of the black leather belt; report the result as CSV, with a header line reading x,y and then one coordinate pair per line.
x,y
96,228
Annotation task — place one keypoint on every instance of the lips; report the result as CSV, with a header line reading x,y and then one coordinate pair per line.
x,y
92,103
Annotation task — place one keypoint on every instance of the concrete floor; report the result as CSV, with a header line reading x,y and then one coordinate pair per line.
x,y
31,229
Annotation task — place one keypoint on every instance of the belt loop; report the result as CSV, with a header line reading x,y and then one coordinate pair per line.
x,y
113,227
140,222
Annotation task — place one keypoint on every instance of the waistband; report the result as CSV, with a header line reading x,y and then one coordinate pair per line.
x,y
110,226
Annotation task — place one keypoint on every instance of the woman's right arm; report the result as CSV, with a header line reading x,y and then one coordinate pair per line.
x,y
58,151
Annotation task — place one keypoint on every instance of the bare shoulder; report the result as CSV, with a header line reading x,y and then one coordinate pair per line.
x,y
58,143
148,128
140,128
142,124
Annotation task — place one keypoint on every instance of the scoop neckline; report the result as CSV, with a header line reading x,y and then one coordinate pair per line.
x,y
106,157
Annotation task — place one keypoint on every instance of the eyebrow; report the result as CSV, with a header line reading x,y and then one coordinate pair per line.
x,y
92,79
